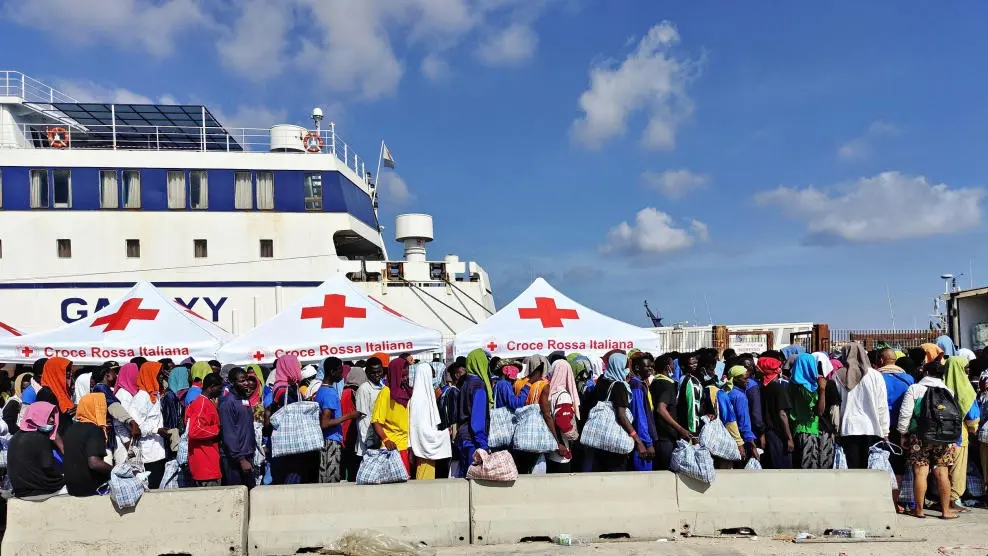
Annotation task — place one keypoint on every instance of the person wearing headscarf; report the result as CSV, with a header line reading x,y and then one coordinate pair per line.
x,y
946,345
503,379
81,385
473,419
384,358
286,389
958,382
933,352
982,403
642,369
309,385
807,390
428,441
582,369
32,468
923,455
145,408
538,367
864,406
560,405
85,447
198,372
364,401
614,388
55,379
255,375
664,395
331,419
966,354
734,387
172,407
390,416
122,427
12,408
348,404
897,381
777,438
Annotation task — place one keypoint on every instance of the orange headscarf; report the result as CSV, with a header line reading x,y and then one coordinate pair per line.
x,y
147,379
384,357
92,409
932,352
55,376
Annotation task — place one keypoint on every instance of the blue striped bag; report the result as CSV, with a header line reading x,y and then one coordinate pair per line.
x,y
502,428
296,429
531,432
715,438
381,467
602,430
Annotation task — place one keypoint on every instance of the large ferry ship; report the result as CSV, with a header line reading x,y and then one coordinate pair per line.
x,y
234,223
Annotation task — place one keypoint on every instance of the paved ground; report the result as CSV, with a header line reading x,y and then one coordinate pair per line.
x,y
970,533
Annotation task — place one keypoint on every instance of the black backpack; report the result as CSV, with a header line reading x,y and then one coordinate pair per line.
x,y
940,418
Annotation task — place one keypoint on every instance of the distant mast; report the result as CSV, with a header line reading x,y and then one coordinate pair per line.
x,y
656,320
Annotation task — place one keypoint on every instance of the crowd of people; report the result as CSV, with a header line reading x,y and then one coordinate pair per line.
x,y
64,429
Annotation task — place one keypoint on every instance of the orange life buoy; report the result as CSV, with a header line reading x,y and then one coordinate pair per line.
x,y
312,142
58,137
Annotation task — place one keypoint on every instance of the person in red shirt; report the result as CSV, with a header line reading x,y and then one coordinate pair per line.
x,y
204,433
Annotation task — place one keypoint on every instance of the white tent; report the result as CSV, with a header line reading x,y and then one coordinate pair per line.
x,y
542,320
143,323
7,331
335,319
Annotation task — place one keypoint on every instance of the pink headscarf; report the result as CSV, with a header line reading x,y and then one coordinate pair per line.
x,y
562,380
127,379
37,414
287,371
837,365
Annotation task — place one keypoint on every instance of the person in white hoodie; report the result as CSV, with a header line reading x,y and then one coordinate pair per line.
x,y
923,455
864,406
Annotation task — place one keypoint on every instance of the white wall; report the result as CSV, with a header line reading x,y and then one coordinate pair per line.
x,y
971,310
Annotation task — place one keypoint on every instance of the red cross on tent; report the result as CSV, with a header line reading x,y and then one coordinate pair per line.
x,y
546,311
259,355
27,352
333,311
130,310
491,346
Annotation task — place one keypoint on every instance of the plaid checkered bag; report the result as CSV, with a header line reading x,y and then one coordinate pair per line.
x,y
753,465
502,428
531,432
602,430
878,458
975,481
296,429
840,460
499,466
906,495
182,453
715,438
380,467
693,461
259,445
127,485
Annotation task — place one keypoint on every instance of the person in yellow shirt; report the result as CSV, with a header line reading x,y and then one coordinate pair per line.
x,y
390,416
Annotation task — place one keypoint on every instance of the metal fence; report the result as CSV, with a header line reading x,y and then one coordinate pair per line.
x,y
872,339
684,339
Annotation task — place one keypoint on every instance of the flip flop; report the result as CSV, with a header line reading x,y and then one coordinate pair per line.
x,y
951,517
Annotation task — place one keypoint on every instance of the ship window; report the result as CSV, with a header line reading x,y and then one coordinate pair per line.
x,y
132,189
1,189
313,191
243,192
108,189
133,248
267,248
265,190
62,188
176,190
198,189
39,188
1,249
199,248
64,247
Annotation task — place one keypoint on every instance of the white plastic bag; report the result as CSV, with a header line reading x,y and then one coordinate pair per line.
x,y
753,464
693,461
366,542
878,458
840,460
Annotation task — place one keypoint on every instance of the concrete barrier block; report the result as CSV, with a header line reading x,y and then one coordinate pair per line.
x,y
285,519
197,521
785,501
589,506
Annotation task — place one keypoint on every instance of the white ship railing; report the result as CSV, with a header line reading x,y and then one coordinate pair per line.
x,y
16,84
170,138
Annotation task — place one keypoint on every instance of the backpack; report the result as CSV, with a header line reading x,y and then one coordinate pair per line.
x,y
940,418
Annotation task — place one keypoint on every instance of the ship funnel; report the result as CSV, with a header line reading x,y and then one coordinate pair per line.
x,y
414,230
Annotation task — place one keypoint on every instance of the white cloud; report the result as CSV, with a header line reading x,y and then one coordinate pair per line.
x,y
88,91
148,25
887,207
435,68
255,44
393,188
652,232
861,147
650,80
246,116
675,184
508,46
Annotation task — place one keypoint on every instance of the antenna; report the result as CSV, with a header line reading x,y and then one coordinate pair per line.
x,y
891,311
709,316
317,117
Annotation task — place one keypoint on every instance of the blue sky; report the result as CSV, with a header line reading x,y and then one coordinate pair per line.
x,y
777,161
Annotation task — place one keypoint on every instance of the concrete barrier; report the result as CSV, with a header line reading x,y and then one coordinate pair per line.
x,y
285,519
200,522
591,506
777,501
